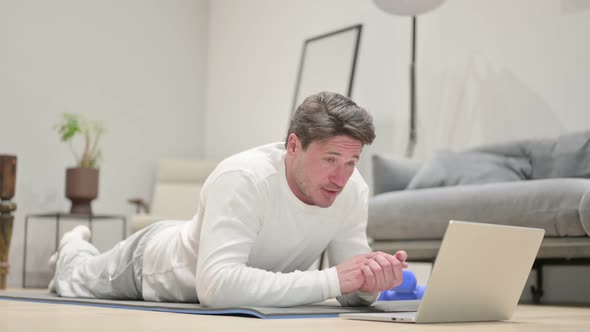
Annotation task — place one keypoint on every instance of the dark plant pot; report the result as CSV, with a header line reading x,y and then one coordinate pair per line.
x,y
81,188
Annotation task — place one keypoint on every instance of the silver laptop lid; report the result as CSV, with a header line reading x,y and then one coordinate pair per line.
x,y
479,273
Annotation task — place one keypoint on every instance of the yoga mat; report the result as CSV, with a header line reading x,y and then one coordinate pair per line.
x,y
325,309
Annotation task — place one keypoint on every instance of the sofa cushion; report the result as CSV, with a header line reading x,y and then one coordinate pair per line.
x,y
449,168
565,156
391,174
560,206
551,248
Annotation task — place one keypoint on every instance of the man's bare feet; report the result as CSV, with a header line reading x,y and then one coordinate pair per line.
x,y
79,232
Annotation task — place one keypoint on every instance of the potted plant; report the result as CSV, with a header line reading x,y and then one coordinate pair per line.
x,y
81,180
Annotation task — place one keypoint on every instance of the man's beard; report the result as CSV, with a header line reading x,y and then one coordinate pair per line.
x,y
301,188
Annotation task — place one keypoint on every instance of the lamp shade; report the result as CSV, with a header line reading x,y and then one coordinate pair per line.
x,y
407,7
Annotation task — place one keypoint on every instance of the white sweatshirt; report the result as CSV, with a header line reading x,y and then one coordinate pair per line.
x,y
252,240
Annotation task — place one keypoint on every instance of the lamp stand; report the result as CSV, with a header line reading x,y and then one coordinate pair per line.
x,y
412,131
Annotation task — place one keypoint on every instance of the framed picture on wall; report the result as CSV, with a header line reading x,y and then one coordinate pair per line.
x,y
328,63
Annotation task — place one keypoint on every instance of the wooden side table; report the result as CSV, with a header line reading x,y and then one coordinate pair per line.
x,y
58,216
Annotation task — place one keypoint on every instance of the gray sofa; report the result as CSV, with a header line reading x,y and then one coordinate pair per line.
x,y
542,183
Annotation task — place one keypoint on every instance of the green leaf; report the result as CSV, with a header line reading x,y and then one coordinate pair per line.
x,y
72,125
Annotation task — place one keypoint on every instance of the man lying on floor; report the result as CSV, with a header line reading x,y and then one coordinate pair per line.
x,y
264,216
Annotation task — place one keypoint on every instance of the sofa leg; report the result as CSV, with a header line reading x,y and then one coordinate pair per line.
x,y
537,290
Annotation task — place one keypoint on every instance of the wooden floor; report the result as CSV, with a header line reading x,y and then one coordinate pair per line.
x,y
27,316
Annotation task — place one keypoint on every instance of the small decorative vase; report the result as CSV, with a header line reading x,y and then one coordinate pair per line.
x,y
81,188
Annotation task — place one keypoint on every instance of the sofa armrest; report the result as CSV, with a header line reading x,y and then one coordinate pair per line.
x,y
140,205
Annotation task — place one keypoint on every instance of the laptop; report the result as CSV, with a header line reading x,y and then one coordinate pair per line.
x,y
478,276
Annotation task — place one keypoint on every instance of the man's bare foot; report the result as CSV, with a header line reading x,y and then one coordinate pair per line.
x,y
78,232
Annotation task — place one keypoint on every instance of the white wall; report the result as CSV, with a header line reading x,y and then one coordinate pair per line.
x,y
486,70
137,65
500,70
254,54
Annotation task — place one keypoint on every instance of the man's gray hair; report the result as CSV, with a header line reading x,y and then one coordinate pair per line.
x,y
327,114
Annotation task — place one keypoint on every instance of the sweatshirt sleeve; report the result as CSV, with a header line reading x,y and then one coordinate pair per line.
x,y
352,241
230,226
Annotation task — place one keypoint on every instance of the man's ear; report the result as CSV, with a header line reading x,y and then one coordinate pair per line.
x,y
293,143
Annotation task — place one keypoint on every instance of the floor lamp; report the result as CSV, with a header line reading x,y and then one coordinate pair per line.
x,y
411,8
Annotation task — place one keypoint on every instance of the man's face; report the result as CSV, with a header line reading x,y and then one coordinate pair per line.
x,y
318,174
